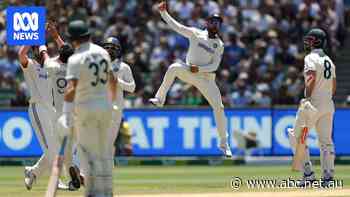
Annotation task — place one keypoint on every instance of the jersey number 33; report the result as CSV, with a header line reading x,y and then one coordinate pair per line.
x,y
99,69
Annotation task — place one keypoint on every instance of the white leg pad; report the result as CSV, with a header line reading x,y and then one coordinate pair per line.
x,y
327,160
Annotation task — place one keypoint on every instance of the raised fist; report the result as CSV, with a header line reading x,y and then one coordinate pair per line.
x,y
162,6
51,29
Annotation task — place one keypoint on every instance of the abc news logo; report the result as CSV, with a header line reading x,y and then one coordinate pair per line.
x,y
33,21
26,25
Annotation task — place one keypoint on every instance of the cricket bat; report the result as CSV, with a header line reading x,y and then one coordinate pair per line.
x,y
300,151
56,171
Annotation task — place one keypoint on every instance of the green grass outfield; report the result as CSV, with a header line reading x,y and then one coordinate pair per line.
x,y
170,179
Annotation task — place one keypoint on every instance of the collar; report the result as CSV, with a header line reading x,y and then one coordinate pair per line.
x,y
117,61
83,46
317,51
207,34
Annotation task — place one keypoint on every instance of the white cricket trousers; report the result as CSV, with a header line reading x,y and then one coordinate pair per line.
x,y
114,130
41,119
58,131
323,122
205,83
93,126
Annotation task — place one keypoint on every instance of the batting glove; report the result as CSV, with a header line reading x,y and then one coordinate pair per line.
x,y
64,125
66,119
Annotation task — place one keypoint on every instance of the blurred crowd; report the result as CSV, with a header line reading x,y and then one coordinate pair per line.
x,y
262,63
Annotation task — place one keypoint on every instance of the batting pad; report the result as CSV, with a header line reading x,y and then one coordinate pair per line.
x,y
99,181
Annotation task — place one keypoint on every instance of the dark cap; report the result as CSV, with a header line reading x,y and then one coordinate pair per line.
x,y
78,29
316,38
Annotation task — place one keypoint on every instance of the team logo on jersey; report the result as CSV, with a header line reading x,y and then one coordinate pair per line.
x,y
215,45
43,76
25,25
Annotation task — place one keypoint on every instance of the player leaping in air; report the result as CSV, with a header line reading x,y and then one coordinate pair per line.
x,y
202,60
316,109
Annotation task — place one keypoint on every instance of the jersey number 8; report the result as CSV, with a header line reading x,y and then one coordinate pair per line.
x,y
327,73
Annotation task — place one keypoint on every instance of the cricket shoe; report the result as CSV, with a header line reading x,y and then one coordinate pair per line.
x,y
225,148
156,102
75,183
29,178
327,183
71,187
62,186
307,180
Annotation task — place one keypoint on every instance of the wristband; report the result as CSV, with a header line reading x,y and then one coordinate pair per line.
x,y
42,48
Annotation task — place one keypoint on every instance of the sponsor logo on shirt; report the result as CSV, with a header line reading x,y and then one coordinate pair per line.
x,y
205,47
43,76
40,74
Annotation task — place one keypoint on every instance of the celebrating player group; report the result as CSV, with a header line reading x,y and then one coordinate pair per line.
x,y
76,101
76,106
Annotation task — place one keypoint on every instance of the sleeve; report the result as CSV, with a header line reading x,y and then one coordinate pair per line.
x,y
309,64
30,68
47,63
31,64
115,66
109,61
126,80
214,64
73,69
176,26
334,71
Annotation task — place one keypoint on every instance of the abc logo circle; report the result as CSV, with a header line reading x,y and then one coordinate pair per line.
x,y
9,130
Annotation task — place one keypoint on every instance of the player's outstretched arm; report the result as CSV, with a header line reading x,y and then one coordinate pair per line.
x,y
23,56
43,53
176,26
52,30
46,58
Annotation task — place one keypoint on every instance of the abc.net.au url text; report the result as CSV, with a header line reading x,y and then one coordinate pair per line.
x,y
266,183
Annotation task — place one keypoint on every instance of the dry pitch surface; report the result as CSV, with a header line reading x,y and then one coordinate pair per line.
x,y
332,193
178,181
